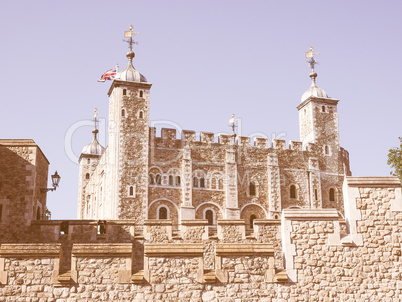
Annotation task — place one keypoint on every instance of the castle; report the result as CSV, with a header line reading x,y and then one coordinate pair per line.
x,y
167,219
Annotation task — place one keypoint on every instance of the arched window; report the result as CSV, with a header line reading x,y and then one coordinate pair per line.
x,y
178,180
252,217
141,93
220,184
123,112
323,108
293,192
151,179
195,182
141,115
89,161
131,191
163,213
87,176
202,182
170,180
252,189
158,179
213,183
209,215
332,194
326,150
124,91
315,194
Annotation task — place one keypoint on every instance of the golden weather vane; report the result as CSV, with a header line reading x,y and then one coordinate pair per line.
x,y
311,54
130,34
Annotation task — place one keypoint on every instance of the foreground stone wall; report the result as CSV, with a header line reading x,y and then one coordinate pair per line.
x,y
321,261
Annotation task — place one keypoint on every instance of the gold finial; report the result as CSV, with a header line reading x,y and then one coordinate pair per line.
x,y
95,131
130,34
232,123
311,54
95,113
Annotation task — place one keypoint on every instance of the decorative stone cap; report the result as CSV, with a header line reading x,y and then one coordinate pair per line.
x,y
266,221
107,249
311,214
170,249
373,181
231,222
30,250
168,222
230,249
195,222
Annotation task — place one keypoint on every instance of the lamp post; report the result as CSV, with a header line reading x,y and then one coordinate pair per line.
x,y
55,182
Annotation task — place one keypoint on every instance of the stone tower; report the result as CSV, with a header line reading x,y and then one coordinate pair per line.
x,y
88,161
127,154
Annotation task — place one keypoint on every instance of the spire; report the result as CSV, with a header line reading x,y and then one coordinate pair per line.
x,y
130,74
95,131
94,148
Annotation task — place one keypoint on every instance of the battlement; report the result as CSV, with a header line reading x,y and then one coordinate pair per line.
x,y
169,135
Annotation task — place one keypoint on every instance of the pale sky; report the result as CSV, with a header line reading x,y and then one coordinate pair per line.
x,y
206,60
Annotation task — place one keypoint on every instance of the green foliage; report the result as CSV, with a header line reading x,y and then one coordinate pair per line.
x,y
395,160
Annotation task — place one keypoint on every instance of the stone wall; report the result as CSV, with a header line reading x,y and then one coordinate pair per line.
x,y
306,256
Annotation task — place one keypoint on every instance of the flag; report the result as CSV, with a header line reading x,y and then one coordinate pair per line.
x,y
108,75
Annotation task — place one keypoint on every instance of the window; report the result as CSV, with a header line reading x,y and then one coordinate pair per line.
x,y
38,214
326,150
170,180
252,217
123,113
195,182
178,181
220,184
87,176
209,215
332,194
163,213
202,182
213,183
89,161
315,194
141,115
124,91
1,211
141,93
323,108
131,191
151,179
158,179
293,191
252,189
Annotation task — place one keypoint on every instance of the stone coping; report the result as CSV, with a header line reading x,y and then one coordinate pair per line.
x,y
30,250
266,221
229,249
83,222
195,222
106,249
231,222
173,249
158,222
21,143
373,181
311,214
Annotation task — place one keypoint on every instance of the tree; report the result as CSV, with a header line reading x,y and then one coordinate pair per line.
x,y
395,160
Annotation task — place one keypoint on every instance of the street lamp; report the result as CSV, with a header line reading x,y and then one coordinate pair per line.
x,y
55,182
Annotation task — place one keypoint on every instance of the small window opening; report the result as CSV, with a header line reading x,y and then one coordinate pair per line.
x,y
220,184
252,189
141,93
276,216
141,115
124,91
293,191
252,217
101,227
123,113
213,183
323,108
209,215
170,180
64,227
163,214
178,180
326,148
158,179
305,111
202,182
89,161
315,194
195,182
151,179
131,191
38,214
1,211
87,176
332,194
